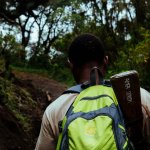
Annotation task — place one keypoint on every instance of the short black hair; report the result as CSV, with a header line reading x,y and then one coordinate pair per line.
x,y
85,48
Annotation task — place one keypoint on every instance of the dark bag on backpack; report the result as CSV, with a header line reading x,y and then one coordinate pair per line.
x,y
126,86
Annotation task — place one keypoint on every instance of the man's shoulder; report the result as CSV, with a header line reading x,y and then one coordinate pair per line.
x,y
60,104
144,91
145,95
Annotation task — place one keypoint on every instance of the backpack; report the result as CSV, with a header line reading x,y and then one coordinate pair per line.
x,y
94,121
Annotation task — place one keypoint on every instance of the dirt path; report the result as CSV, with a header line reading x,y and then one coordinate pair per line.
x,y
41,83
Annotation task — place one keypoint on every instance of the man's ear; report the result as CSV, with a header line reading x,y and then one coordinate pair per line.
x,y
106,60
70,64
105,65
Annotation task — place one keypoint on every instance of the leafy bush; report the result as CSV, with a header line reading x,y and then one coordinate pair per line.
x,y
135,57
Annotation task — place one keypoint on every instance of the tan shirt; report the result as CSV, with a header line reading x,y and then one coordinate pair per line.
x,y
56,111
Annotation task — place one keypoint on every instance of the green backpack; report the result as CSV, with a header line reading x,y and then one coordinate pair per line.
x,y
93,122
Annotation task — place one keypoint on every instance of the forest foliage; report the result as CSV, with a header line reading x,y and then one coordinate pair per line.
x,y
36,34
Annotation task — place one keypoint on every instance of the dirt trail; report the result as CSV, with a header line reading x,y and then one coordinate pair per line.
x,y
41,83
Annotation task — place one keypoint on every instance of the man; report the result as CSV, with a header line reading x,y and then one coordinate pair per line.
x,y
85,52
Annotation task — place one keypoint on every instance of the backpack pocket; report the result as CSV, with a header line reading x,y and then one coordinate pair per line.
x,y
91,134
95,130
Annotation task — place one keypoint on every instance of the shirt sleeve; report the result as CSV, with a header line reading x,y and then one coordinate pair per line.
x,y
54,113
46,139
145,100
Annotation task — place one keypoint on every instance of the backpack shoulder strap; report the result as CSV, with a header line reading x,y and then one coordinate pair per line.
x,y
74,89
80,87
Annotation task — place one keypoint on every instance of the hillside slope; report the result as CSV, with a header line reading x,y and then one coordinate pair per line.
x,y
22,103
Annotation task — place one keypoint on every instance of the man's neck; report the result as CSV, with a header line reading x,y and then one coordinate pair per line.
x,y
85,75
85,72
82,74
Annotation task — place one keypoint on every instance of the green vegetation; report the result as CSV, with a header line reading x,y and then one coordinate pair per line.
x,y
39,71
135,57
18,101
61,74
35,36
122,25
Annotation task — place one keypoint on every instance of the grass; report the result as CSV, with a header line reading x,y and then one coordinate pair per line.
x,y
42,72
62,75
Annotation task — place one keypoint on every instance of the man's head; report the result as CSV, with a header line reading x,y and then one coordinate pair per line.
x,y
86,49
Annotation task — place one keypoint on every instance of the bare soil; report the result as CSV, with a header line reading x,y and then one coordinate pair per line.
x,y
43,91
